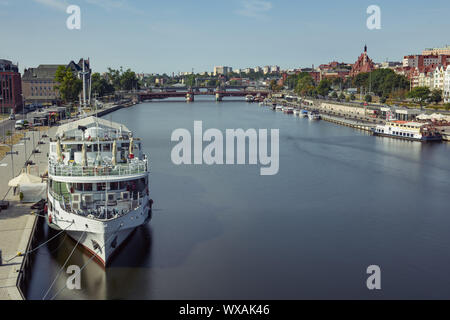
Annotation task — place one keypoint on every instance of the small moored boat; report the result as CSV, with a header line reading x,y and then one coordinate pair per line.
x,y
313,115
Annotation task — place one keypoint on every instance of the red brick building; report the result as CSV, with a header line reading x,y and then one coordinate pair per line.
x,y
363,64
10,87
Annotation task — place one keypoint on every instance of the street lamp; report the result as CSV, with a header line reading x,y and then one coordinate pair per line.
x,y
12,159
25,142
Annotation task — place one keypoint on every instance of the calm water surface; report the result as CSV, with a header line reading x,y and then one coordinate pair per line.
x,y
343,200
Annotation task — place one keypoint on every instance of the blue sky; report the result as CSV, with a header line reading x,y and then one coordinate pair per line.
x,y
178,35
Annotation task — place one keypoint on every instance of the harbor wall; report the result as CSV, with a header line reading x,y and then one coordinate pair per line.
x,y
110,110
26,266
343,110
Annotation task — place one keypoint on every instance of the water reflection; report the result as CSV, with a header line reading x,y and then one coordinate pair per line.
x,y
97,282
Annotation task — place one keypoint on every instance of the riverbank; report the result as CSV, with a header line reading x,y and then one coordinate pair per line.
x,y
17,224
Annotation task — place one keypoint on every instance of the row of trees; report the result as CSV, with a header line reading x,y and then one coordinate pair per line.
x,y
382,83
122,80
70,86
423,95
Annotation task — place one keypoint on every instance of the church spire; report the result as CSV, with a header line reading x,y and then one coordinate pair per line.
x,y
365,48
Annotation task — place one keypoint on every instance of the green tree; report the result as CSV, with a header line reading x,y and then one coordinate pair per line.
x,y
128,80
69,86
436,96
212,83
342,96
382,82
113,77
334,95
383,99
305,85
368,98
190,80
352,97
101,86
274,86
324,87
420,95
337,82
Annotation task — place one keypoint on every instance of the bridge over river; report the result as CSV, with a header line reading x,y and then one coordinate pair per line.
x,y
189,95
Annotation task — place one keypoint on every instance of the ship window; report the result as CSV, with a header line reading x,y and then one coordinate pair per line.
x,y
101,186
114,186
89,148
95,148
87,186
122,185
106,147
78,186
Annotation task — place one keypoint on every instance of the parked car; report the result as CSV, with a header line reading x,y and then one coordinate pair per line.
x,y
21,124
12,116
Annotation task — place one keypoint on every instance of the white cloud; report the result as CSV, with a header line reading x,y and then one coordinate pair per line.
x,y
255,8
56,4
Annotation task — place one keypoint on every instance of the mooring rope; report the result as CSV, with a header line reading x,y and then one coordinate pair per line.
x,y
64,265
20,254
89,261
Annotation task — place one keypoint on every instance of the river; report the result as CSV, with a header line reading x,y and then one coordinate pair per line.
x,y
343,200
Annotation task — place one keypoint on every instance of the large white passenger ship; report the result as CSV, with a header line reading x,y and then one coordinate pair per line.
x,y
98,185
408,131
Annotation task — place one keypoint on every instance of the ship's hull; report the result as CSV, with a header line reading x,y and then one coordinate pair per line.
x,y
102,246
99,237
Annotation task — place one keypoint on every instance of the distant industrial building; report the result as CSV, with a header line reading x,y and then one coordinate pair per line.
x,y
10,87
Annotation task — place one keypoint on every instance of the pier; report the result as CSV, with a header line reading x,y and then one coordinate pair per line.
x,y
348,122
17,224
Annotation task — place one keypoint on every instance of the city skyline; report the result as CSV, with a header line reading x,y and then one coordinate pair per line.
x,y
153,37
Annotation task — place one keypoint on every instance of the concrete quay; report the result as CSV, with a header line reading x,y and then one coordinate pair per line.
x,y
16,222
348,122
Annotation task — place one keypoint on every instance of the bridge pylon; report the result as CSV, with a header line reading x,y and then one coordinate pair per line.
x,y
190,97
219,93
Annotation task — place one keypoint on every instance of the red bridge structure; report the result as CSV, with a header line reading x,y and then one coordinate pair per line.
x,y
190,94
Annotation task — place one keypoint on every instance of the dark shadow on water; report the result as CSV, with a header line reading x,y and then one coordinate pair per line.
x,y
95,279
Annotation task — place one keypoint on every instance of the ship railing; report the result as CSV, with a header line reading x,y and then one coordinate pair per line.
x,y
100,210
73,170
